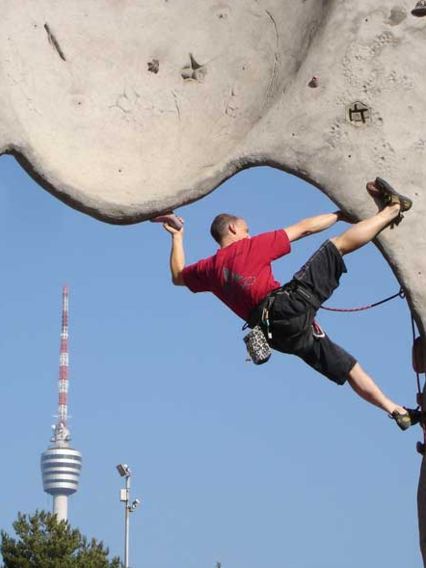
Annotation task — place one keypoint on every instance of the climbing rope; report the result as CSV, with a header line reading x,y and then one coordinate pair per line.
x,y
400,294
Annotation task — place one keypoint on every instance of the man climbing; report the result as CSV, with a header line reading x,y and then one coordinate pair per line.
x,y
240,275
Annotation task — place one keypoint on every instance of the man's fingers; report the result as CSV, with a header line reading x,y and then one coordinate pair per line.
x,y
169,228
172,230
170,219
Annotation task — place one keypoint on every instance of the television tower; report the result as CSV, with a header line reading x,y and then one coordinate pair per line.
x,y
60,463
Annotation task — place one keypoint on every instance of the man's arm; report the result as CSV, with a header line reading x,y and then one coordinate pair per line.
x,y
177,255
313,225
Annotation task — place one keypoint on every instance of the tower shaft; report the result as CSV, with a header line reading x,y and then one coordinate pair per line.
x,y
60,507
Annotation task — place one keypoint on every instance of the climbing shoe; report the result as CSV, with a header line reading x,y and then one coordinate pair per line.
x,y
381,190
169,219
420,9
409,418
389,196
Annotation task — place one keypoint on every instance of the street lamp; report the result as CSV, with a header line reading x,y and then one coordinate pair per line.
x,y
125,471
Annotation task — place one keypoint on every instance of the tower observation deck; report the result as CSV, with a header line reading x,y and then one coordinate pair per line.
x,y
60,463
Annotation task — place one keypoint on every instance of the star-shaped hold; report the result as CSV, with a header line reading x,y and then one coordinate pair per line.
x,y
154,66
194,71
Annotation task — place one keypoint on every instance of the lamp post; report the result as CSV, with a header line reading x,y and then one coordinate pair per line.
x,y
125,471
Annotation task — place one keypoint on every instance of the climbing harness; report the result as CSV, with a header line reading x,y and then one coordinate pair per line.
x,y
400,294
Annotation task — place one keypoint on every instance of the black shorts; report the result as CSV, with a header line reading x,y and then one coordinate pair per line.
x,y
294,311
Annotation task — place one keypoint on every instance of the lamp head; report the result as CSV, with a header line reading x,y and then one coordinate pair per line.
x,y
124,470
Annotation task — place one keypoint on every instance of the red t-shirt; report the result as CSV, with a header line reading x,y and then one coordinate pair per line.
x,y
240,274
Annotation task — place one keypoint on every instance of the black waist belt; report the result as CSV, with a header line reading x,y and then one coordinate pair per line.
x,y
293,287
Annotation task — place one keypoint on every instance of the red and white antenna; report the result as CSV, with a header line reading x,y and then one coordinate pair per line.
x,y
63,362
60,463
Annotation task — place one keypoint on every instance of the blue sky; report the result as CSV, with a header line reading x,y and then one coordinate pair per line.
x,y
270,467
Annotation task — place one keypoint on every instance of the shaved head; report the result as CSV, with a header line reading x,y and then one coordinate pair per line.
x,y
220,225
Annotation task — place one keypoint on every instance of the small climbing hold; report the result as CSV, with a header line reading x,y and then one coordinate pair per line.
x,y
169,218
154,66
358,114
420,447
194,71
314,82
420,9
418,358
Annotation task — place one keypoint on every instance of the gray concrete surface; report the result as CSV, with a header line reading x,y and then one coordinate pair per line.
x,y
126,109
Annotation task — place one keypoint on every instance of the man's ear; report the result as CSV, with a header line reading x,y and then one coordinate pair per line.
x,y
232,228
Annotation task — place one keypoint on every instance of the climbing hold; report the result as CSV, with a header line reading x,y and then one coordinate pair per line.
x,y
187,73
154,66
420,9
418,358
169,219
314,82
420,447
358,113
194,71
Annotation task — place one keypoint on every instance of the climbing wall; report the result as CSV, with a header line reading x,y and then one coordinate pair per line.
x,y
126,109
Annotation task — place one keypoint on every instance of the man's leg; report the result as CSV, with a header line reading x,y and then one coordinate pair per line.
x,y
367,389
365,231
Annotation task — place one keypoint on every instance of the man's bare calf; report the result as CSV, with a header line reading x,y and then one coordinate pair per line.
x,y
366,388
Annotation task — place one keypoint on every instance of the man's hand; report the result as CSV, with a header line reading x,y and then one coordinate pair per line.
x,y
172,230
169,219
343,216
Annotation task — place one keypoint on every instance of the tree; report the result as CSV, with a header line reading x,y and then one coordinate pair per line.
x,y
43,542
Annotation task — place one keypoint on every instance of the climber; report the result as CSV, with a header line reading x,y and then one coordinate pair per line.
x,y
240,275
